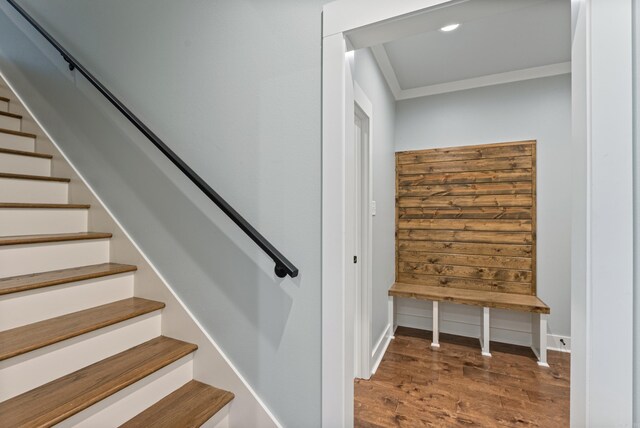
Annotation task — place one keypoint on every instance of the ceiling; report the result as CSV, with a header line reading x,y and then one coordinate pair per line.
x,y
528,41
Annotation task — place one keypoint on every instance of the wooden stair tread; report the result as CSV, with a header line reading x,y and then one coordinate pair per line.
x,y
5,99
23,153
34,281
33,177
13,115
18,133
492,299
21,340
40,206
56,237
189,406
59,399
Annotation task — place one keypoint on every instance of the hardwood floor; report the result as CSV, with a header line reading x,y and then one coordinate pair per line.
x,y
416,386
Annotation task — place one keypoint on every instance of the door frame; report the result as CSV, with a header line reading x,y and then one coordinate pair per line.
x,y
364,287
339,19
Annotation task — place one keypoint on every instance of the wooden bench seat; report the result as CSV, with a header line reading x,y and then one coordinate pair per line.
x,y
490,299
486,300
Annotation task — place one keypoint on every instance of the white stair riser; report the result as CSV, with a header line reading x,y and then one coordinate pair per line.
x,y
17,142
220,419
17,164
33,191
11,123
25,372
124,405
33,258
33,221
4,106
31,306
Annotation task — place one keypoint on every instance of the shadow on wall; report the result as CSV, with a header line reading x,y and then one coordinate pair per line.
x,y
222,274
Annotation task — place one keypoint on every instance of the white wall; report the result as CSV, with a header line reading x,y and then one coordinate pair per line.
x,y
233,86
537,109
371,80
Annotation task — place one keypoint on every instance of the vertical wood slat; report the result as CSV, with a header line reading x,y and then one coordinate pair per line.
x,y
468,202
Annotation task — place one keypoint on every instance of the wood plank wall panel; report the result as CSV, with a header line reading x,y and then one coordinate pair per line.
x,y
466,217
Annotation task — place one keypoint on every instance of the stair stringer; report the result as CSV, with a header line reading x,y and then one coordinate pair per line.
x,y
210,364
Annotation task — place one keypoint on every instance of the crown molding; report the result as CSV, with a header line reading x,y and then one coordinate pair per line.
x,y
380,54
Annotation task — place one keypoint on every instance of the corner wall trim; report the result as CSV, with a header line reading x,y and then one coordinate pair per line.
x,y
381,347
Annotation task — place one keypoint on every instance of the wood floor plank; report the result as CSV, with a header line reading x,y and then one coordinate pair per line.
x,y
56,401
187,407
462,387
21,340
56,237
34,281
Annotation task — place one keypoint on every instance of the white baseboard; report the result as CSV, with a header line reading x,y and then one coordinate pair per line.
x,y
381,347
498,334
555,343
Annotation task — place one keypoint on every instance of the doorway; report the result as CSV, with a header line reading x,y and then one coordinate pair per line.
x,y
355,24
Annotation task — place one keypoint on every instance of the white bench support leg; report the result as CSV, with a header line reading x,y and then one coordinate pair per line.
x,y
435,343
392,317
484,332
539,338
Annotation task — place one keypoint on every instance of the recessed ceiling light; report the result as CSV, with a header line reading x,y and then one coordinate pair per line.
x,y
449,27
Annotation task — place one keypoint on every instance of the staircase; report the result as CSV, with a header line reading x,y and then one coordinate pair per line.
x,y
77,346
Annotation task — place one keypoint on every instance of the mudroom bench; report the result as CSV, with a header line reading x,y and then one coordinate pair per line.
x,y
486,300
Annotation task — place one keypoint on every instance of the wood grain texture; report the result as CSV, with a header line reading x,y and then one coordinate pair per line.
x,y
498,300
467,260
507,213
190,406
465,153
56,237
464,283
57,400
18,133
418,386
466,271
466,248
33,177
466,177
27,338
29,154
465,201
522,162
467,224
16,284
465,218
466,189
466,236
29,205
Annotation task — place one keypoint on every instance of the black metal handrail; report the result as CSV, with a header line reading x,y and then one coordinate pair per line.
x,y
283,266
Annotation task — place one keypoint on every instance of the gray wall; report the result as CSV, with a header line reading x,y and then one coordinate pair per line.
x,y
370,79
537,109
233,86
